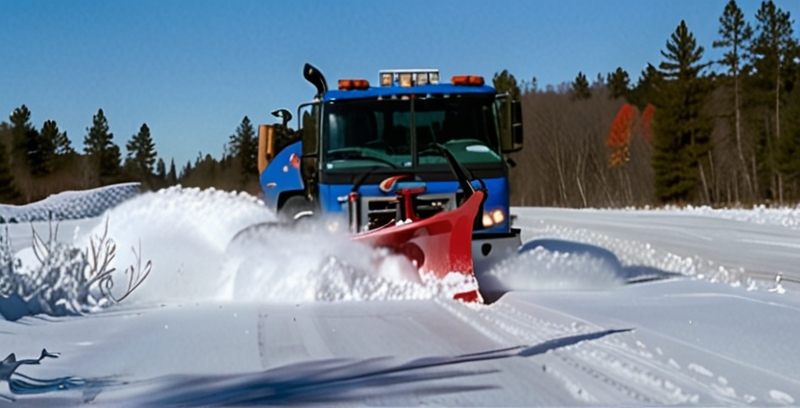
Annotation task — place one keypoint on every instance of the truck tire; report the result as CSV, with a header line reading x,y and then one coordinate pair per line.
x,y
293,206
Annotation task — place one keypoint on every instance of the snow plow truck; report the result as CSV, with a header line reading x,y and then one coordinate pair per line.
x,y
412,164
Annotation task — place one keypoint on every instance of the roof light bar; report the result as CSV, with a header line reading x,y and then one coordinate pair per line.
x,y
408,77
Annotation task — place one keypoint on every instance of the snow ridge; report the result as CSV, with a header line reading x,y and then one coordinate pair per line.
x,y
70,205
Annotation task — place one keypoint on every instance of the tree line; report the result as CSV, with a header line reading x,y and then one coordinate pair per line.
x,y
35,163
689,131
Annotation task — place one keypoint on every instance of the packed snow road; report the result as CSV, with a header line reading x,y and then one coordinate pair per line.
x,y
676,342
313,320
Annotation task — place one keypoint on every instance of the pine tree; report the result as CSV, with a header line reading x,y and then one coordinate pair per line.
x,y
504,82
112,162
789,149
63,144
580,88
20,127
618,84
772,51
599,81
682,130
9,193
647,88
142,153
26,140
244,146
172,176
187,169
37,154
98,138
789,146
161,170
99,146
48,139
735,33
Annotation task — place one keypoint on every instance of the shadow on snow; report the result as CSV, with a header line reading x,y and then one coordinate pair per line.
x,y
341,381
21,384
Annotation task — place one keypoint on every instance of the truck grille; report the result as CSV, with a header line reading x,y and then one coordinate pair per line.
x,y
379,211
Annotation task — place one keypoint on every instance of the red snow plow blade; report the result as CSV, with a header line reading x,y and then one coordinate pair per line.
x,y
440,244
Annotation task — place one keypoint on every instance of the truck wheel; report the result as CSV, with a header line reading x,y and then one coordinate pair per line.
x,y
294,206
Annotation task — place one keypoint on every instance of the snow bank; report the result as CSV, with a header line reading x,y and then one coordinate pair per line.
x,y
186,232
788,217
70,205
57,278
183,231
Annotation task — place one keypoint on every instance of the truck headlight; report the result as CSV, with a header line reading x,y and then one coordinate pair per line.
x,y
487,220
498,217
494,217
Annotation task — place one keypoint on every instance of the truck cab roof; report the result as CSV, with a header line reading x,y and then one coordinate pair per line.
x,y
398,91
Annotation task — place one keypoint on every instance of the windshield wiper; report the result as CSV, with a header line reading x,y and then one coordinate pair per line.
x,y
340,154
432,149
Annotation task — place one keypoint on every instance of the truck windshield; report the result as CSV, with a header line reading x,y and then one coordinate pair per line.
x,y
366,133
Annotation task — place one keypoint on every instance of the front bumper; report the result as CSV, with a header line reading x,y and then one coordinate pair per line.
x,y
490,249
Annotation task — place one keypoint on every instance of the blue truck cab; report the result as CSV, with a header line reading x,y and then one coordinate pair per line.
x,y
361,138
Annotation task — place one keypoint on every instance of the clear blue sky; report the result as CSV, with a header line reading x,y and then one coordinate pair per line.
x,y
192,70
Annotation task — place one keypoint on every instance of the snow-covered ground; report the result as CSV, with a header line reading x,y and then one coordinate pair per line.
x,y
309,317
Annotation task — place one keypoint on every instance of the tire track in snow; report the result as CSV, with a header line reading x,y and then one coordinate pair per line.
x,y
613,362
684,382
596,370
506,324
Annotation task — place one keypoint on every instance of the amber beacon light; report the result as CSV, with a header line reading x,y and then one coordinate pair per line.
x,y
351,84
468,80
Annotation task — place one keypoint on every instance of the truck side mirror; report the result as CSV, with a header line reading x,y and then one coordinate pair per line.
x,y
510,125
284,115
516,126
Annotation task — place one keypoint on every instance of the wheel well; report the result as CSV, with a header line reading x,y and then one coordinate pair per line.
x,y
286,195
